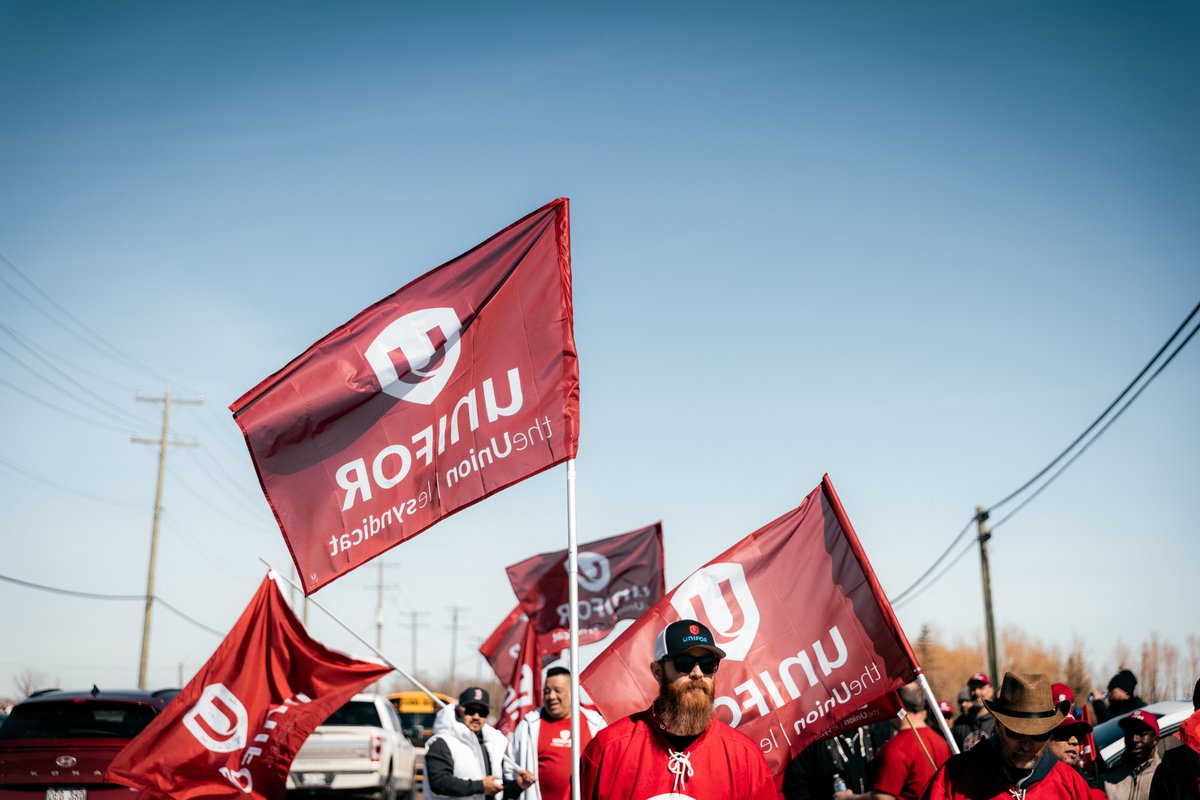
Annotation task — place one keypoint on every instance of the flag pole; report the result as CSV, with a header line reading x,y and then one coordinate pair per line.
x,y
280,576
932,703
573,600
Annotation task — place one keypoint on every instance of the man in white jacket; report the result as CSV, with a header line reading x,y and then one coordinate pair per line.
x,y
539,748
463,757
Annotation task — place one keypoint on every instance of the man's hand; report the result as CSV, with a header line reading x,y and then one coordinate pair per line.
x,y
492,785
525,779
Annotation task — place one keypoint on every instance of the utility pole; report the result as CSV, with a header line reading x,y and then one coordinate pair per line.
x,y
981,518
162,443
379,616
454,644
414,625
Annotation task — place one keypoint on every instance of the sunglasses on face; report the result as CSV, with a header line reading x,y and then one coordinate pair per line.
x,y
685,664
1016,737
475,711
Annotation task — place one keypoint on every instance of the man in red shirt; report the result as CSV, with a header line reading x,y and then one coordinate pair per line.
x,y
539,748
906,762
677,746
1015,764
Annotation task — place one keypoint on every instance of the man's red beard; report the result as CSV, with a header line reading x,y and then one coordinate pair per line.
x,y
687,708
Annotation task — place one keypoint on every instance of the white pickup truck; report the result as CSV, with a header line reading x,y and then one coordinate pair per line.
x,y
359,750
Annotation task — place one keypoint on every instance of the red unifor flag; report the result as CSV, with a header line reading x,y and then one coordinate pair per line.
x,y
235,728
809,636
459,385
620,577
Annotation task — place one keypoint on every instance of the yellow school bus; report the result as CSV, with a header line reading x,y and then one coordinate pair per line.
x,y
416,710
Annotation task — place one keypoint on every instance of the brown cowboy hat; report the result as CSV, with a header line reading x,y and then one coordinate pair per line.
x,y
1025,704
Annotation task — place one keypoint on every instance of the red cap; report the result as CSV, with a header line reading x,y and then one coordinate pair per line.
x,y
980,678
1142,716
945,708
1061,692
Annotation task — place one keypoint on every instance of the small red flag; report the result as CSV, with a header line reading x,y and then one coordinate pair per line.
x,y
620,577
503,646
459,385
234,729
809,635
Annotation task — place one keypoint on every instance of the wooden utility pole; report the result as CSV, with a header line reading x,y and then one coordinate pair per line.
x,y
162,443
454,645
981,518
379,617
414,625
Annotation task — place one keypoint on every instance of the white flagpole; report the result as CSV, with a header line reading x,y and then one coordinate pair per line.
x,y
932,704
573,599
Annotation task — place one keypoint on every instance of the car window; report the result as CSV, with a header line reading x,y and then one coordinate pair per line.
x,y
97,719
356,712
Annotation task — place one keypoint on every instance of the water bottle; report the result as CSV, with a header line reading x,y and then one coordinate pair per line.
x,y
839,783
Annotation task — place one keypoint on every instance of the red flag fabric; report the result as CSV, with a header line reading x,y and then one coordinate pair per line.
x,y
809,635
234,729
620,577
523,686
460,384
503,646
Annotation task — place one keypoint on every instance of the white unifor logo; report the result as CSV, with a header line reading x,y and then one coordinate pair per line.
x,y
594,571
725,605
430,365
218,720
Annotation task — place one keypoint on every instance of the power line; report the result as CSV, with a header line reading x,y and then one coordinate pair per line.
x,y
1104,413
110,350
912,591
98,596
54,407
48,482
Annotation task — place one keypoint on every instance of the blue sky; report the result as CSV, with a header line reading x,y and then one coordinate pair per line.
x,y
918,247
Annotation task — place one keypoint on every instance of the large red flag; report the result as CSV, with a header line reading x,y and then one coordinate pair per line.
x,y
513,653
458,385
620,577
235,728
809,635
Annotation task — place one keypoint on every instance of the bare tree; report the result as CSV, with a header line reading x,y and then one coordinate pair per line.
x,y
1077,675
1170,667
28,681
1150,667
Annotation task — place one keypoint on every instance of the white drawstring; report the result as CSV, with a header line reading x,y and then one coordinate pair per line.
x,y
679,766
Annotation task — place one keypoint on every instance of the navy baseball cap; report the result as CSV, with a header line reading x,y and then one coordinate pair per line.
x,y
683,635
474,696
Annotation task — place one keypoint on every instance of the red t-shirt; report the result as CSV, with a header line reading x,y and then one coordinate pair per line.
x,y
554,756
901,767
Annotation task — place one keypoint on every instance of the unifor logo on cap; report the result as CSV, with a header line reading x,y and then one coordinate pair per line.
x,y
693,629
719,597
429,341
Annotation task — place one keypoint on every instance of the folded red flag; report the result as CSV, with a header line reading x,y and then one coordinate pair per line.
x,y
808,634
235,728
459,385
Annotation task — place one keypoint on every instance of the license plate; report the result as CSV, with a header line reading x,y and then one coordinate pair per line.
x,y
66,794
310,779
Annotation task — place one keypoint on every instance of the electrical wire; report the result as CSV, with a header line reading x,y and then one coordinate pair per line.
x,y
61,410
1104,413
48,482
914,595
110,350
912,590
98,596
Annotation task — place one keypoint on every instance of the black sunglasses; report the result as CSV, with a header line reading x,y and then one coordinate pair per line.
x,y
1016,737
685,664
475,711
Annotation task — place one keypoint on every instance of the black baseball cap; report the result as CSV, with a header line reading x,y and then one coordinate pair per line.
x,y
683,635
474,696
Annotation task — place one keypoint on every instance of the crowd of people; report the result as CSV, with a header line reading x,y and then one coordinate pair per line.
x,y
1027,741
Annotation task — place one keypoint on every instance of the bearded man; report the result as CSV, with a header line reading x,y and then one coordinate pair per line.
x,y
677,746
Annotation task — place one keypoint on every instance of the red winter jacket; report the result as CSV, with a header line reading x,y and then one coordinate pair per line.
x,y
631,760
978,774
